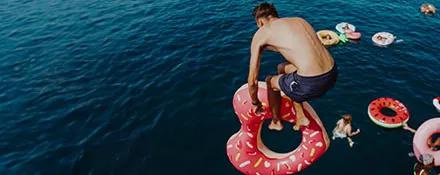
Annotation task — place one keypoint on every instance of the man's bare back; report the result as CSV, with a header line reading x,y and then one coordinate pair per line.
x,y
309,72
296,40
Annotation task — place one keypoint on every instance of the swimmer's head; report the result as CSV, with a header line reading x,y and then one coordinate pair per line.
x,y
346,118
428,8
426,159
263,13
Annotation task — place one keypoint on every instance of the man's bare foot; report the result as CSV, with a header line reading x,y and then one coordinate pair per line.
x,y
302,121
276,125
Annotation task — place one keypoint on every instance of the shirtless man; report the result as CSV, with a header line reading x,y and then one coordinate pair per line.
x,y
309,72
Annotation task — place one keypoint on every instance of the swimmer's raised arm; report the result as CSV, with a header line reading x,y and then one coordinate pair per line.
x,y
350,133
258,42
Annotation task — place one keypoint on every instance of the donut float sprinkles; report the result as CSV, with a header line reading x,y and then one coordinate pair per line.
x,y
249,155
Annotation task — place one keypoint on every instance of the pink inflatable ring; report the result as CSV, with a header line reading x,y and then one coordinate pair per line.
x,y
249,155
423,134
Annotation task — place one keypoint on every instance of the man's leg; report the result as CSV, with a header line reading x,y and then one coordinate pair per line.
x,y
274,96
301,120
286,68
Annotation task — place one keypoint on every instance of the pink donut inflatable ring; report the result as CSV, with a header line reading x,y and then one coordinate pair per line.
x,y
353,35
249,155
420,141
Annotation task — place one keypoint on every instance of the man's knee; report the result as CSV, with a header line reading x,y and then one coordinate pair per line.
x,y
280,68
272,82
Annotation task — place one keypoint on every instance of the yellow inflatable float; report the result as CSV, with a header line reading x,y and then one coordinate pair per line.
x,y
328,37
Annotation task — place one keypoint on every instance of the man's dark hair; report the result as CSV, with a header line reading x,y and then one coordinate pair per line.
x,y
265,10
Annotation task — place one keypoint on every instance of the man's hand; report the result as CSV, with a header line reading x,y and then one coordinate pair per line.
x,y
258,107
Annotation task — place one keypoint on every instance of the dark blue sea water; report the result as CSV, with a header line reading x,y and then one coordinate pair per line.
x,y
145,87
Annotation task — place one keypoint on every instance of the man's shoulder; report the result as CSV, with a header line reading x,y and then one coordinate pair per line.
x,y
292,21
294,18
261,32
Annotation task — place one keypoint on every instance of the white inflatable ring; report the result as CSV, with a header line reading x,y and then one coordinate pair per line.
x,y
340,27
387,38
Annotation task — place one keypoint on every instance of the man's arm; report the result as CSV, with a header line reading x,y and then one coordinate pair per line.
x,y
271,48
258,42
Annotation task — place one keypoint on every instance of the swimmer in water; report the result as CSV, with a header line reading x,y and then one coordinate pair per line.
x,y
343,129
434,144
309,72
327,37
346,28
428,9
425,165
381,38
